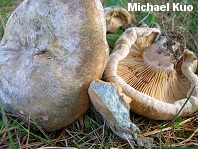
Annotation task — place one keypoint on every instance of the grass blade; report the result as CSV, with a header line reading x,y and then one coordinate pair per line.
x,y
176,116
4,119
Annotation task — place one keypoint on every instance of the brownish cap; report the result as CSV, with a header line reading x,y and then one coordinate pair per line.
x,y
116,16
156,71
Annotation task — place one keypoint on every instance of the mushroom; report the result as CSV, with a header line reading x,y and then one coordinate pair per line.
x,y
50,53
116,17
156,71
113,105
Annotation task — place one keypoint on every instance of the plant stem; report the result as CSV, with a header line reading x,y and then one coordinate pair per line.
x,y
6,125
180,109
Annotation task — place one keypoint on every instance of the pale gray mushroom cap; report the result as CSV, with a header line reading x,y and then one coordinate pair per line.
x,y
50,53
153,76
116,16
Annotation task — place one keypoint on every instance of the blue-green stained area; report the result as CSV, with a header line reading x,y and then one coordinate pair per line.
x,y
109,94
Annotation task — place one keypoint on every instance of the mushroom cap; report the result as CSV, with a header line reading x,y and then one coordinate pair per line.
x,y
116,16
50,53
158,81
113,105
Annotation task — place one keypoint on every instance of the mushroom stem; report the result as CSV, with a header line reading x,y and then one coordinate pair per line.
x,y
113,24
166,51
158,57
116,17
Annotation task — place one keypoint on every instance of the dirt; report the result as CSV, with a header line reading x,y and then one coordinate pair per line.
x,y
176,43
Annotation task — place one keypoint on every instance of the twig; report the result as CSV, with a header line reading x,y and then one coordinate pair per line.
x,y
28,135
166,129
18,139
129,141
70,133
57,139
188,139
156,131
103,134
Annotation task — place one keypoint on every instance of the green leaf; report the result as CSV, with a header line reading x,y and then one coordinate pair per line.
x,y
146,17
179,119
156,25
77,145
111,39
88,124
1,31
176,125
122,3
177,122
119,32
42,131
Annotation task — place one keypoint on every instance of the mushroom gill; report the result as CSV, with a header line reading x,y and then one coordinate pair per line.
x,y
153,66
156,71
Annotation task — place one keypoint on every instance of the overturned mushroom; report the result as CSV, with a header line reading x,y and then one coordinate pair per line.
x,y
116,17
113,105
155,71
50,53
